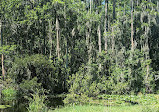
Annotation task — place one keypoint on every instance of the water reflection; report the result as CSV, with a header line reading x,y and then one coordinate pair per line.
x,y
21,105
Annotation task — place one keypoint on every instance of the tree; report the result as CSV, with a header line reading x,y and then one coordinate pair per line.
x,y
2,56
106,25
132,26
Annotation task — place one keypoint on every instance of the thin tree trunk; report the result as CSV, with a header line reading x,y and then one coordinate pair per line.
x,y
44,36
147,51
2,56
67,74
3,71
113,40
137,2
99,39
50,37
89,44
114,5
158,6
147,58
106,25
73,33
89,36
57,37
90,6
99,43
132,27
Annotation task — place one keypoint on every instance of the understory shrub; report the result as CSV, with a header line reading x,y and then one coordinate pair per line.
x,y
76,99
36,104
51,74
28,87
9,94
82,88
9,90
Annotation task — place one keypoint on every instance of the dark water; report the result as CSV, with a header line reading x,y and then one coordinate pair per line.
x,y
16,106
55,102
21,106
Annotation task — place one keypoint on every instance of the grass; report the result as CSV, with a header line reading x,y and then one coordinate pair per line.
x,y
116,103
99,108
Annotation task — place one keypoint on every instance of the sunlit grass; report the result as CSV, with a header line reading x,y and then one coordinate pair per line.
x,y
91,108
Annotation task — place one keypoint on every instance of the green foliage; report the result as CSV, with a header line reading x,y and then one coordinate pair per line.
x,y
28,71
8,83
80,83
7,49
82,87
28,87
57,1
4,106
36,104
9,94
9,90
72,98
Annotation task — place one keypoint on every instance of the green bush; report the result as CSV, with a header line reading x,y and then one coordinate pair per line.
x,y
36,104
82,88
9,94
51,74
76,99
29,86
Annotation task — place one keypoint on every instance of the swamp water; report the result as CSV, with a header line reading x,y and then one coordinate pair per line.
x,y
21,106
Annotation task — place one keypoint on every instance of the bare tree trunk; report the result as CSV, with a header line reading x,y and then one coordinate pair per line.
x,y
89,45
2,56
147,58
1,31
3,71
88,39
90,6
158,6
73,33
106,25
87,35
99,39
137,2
57,37
113,40
132,27
44,36
99,43
88,42
114,5
50,37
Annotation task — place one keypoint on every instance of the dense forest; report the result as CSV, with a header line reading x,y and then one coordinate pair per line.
x,y
80,47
